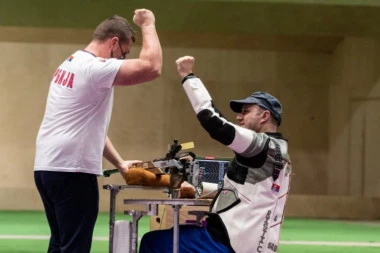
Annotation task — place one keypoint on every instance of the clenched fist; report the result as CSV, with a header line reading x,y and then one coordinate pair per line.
x,y
143,17
185,65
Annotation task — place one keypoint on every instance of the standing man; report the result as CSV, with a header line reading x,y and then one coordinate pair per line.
x,y
73,135
247,213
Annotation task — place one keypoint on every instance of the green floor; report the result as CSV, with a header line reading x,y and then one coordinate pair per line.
x,y
14,224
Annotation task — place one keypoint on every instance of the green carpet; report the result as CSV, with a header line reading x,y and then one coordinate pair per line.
x,y
326,230
33,223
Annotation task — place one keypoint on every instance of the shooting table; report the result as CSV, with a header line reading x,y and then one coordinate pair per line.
x,y
151,210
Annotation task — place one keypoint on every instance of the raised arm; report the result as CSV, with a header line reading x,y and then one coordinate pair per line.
x,y
149,64
235,137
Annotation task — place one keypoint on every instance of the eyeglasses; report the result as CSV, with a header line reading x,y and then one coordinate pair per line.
x,y
123,54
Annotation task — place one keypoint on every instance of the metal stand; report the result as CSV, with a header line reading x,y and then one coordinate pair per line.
x,y
152,209
114,190
136,215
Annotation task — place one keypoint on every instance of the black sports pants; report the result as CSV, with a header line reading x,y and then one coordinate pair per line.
x,y
71,202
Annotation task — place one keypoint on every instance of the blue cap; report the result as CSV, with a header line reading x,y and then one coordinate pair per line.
x,y
262,99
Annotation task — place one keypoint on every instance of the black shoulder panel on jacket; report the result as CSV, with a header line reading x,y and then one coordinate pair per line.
x,y
258,160
224,133
237,173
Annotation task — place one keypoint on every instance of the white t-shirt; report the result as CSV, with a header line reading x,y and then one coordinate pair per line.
x,y
78,111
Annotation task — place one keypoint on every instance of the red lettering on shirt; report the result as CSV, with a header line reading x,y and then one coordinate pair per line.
x,y
71,80
64,78
57,73
63,72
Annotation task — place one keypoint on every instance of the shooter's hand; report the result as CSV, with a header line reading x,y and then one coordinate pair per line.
x,y
143,17
186,157
185,65
187,191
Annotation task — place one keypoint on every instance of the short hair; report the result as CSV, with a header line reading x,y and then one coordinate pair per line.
x,y
114,26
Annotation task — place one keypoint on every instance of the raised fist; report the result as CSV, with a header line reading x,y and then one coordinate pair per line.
x,y
185,65
143,17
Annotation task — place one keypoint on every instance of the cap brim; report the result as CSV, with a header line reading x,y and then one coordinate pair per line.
x,y
236,105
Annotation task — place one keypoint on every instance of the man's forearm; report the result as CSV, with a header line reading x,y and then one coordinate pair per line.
x,y
111,154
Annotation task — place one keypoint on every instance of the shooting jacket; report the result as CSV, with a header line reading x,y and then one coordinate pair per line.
x,y
248,211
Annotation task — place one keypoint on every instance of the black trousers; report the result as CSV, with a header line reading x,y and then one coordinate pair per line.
x,y
71,202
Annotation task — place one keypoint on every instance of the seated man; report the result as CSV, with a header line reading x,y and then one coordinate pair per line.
x,y
247,213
